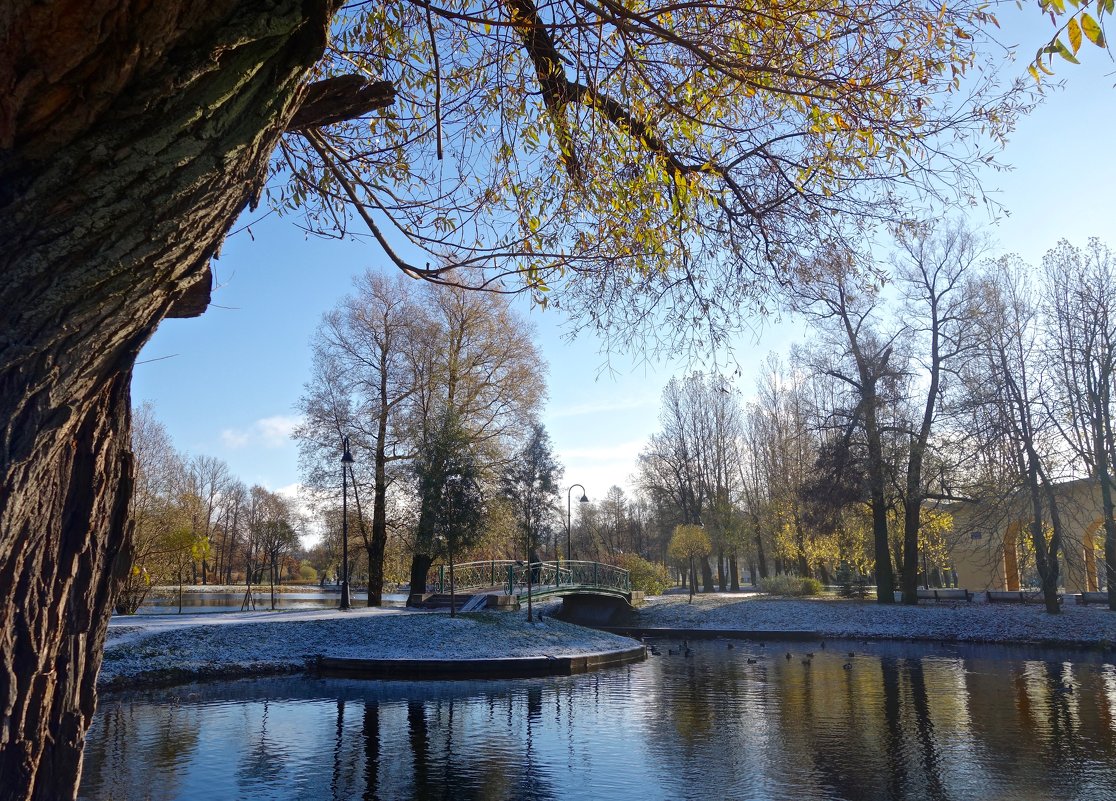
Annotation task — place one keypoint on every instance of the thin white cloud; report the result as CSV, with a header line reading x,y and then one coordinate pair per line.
x,y
601,407
234,439
276,430
620,452
292,491
267,432
309,529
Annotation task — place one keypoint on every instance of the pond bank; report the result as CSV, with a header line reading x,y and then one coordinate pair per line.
x,y
839,618
164,649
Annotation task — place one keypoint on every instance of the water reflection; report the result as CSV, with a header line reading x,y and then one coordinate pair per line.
x,y
881,722
206,602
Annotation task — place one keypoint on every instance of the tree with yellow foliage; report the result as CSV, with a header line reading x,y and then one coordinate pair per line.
x,y
689,542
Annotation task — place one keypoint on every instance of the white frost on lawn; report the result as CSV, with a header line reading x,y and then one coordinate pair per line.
x,y
257,641
835,617
250,642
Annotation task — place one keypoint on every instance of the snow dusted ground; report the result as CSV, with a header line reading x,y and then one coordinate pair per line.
x,y
840,618
164,648
189,589
172,647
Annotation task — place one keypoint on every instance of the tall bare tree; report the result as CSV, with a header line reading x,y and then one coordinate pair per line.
x,y
934,268
1081,323
692,459
366,353
1012,384
158,471
207,479
786,453
844,304
479,365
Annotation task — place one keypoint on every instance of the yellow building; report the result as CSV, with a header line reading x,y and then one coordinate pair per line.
x,y
991,550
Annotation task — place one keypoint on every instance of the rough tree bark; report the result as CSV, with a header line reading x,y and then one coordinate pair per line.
x,y
131,136
912,499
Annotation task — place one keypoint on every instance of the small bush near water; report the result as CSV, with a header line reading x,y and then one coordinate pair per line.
x,y
647,577
790,585
850,582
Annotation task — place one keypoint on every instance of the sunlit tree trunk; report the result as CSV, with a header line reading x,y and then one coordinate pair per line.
x,y
133,139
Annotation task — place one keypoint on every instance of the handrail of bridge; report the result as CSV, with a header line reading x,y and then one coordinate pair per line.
x,y
512,577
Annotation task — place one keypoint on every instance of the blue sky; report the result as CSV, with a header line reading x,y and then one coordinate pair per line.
x,y
226,384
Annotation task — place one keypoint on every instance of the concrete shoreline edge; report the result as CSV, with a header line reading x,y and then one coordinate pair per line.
x,y
795,635
790,635
497,668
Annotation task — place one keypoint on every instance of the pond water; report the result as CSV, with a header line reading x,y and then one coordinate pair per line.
x,y
198,602
900,722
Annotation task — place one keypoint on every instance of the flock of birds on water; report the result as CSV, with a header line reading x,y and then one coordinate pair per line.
x,y
685,651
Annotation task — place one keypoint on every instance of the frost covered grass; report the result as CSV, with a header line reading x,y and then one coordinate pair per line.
x,y
840,618
189,589
167,648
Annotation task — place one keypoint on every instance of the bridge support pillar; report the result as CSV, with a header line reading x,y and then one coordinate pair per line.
x,y
595,610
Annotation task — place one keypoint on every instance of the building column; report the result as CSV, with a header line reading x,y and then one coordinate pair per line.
x,y
1011,557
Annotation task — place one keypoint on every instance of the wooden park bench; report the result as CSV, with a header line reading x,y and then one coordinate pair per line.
x,y
1091,598
945,594
940,594
1017,597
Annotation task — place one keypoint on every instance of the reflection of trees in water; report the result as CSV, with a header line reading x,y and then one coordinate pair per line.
x,y
912,748
262,765
924,726
836,731
710,722
1044,725
451,748
420,751
132,741
887,728
370,733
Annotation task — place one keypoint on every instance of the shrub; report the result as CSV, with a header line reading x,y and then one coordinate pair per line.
x,y
851,582
307,573
811,586
649,577
790,585
779,585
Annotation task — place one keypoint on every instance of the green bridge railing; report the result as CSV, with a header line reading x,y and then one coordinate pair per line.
x,y
546,578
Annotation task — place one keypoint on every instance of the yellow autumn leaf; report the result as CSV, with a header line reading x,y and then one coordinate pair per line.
x,y
1073,30
1092,30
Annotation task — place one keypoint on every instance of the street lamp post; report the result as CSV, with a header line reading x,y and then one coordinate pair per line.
x,y
569,529
346,461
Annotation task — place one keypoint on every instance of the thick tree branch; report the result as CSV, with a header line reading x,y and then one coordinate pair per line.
x,y
343,97
195,300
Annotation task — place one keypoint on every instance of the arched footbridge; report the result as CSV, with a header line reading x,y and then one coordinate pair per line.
x,y
535,580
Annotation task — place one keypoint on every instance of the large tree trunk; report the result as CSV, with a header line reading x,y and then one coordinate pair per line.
x,y
131,136
63,514
1103,472
885,584
706,575
378,545
1109,540
912,503
420,567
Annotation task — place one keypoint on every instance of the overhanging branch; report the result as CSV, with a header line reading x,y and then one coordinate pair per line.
x,y
343,97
